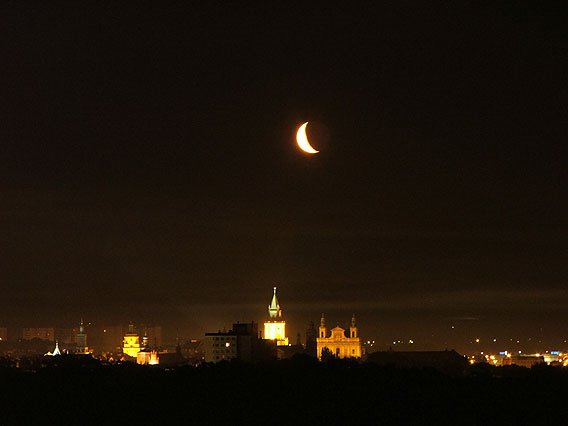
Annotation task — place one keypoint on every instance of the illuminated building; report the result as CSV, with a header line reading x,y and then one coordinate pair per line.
x,y
154,358
43,333
82,347
524,360
147,356
275,328
340,343
131,342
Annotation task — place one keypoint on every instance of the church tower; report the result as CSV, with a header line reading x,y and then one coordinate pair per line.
x,y
82,347
131,342
275,327
322,330
353,328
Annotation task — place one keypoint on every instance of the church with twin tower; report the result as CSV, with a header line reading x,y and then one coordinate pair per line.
x,y
339,342
275,327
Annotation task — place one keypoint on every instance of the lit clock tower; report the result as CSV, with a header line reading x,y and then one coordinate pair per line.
x,y
275,327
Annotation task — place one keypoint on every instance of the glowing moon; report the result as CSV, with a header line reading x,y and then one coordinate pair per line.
x,y
302,140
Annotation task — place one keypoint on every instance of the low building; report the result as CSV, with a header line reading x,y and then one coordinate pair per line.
x,y
340,343
193,351
172,359
524,360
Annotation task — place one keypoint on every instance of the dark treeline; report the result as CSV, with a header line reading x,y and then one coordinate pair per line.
x,y
297,391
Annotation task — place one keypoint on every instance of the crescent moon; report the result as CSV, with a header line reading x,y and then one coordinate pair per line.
x,y
302,140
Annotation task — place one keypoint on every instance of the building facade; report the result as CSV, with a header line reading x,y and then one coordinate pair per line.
x,y
241,342
43,333
340,343
221,346
131,342
275,327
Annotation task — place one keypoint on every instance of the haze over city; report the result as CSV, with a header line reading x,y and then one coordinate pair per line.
x,y
149,169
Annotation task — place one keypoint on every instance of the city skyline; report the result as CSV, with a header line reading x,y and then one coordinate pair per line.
x,y
149,170
465,340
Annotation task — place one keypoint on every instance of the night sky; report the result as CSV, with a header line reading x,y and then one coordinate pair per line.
x,y
149,172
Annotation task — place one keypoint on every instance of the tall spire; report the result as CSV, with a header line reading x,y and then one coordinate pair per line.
x,y
322,321
353,321
56,350
274,308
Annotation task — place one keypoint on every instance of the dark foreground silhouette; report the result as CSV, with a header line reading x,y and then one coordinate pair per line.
x,y
293,392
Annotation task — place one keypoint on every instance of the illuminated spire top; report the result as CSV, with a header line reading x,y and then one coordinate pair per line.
x,y
81,327
56,350
322,321
274,308
353,321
